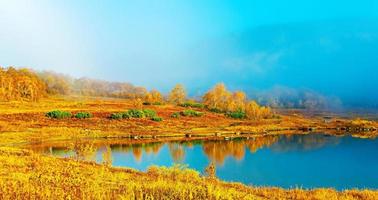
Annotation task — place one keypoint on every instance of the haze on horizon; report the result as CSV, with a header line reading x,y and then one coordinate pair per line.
x,y
326,46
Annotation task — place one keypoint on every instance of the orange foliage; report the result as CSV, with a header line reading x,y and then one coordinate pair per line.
x,y
153,96
177,94
20,84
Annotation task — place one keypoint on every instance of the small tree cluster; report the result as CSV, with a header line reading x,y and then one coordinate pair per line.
x,y
255,111
20,84
234,104
219,98
177,95
153,97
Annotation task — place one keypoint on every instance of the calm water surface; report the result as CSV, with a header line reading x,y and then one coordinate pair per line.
x,y
307,161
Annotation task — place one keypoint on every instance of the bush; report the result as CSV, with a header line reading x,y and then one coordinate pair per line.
x,y
175,115
154,103
134,113
57,114
83,115
125,115
192,104
116,116
156,119
191,113
237,114
149,113
216,110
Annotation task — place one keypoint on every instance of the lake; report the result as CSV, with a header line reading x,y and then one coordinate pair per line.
x,y
307,161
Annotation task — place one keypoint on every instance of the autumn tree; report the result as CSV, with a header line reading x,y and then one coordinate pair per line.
x,y
177,95
153,96
266,112
137,103
217,97
256,112
236,101
21,84
56,83
252,110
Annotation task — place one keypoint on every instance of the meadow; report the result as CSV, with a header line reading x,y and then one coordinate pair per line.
x,y
36,110
30,175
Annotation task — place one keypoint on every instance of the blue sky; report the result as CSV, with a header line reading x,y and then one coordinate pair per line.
x,y
327,46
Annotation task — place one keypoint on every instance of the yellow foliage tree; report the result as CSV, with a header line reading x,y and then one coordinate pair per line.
x,y
266,112
236,101
255,112
153,96
217,98
137,103
21,84
252,110
177,95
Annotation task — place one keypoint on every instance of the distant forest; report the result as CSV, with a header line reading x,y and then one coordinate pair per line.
x,y
28,85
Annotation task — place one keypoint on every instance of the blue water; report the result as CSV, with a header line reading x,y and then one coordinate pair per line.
x,y
306,161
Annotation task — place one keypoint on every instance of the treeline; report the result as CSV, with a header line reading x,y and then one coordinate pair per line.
x,y
234,104
66,85
284,97
219,99
28,85
20,84
24,84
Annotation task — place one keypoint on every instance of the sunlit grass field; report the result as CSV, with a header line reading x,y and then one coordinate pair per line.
x,y
29,175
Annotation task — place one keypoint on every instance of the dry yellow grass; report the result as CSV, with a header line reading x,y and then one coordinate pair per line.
x,y
27,175
22,122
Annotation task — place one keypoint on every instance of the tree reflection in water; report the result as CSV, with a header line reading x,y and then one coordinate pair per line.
x,y
216,150
177,151
303,142
83,150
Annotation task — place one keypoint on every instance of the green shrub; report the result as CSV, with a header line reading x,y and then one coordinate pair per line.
x,y
216,110
156,118
236,115
58,114
125,115
134,113
175,115
149,113
192,104
116,116
191,113
83,115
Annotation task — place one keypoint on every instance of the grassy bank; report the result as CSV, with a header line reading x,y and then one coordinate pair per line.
x,y
27,175
27,122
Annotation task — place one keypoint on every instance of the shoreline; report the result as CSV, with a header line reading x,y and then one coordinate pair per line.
x,y
29,127
51,177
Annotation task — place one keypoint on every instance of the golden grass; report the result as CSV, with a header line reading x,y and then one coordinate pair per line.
x,y
26,122
27,175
